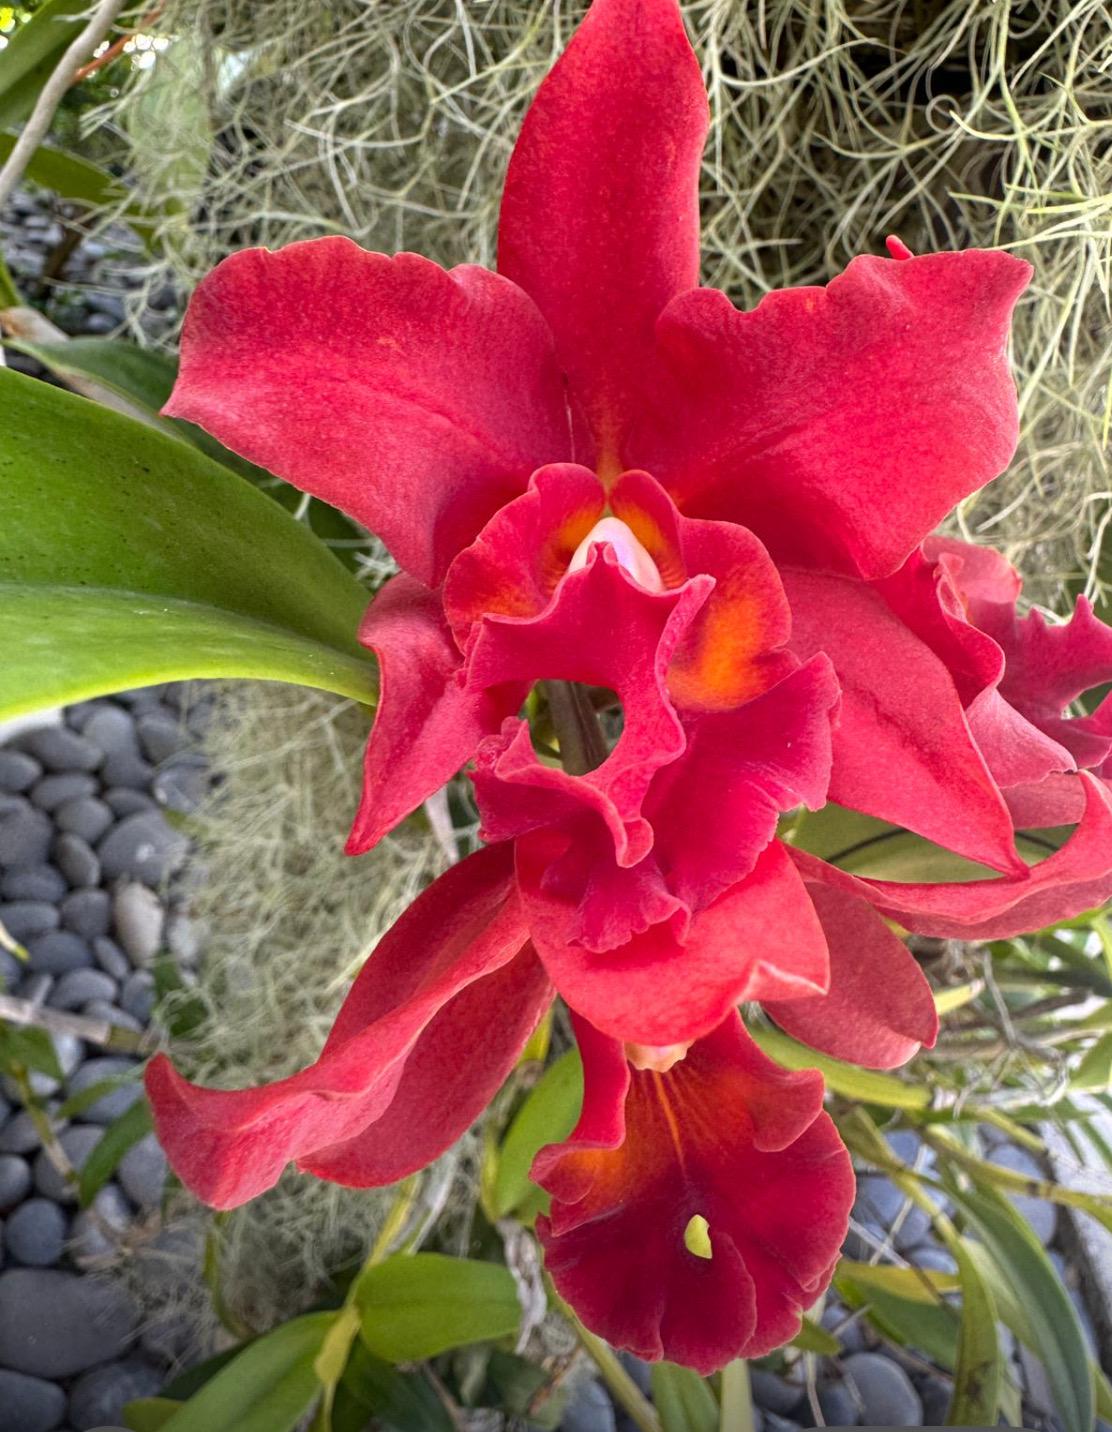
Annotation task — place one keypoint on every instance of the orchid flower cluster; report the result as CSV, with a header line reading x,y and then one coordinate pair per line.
x,y
606,486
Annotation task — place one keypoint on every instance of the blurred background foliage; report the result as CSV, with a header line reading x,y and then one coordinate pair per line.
x,y
207,125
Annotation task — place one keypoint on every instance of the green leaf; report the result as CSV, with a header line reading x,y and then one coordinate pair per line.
x,y
150,1414
813,1337
547,1115
104,1158
415,1306
75,178
268,1387
30,1048
126,558
86,1098
32,52
683,1399
979,1373
1032,1300
403,1401
864,1085
910,1316
1095,1070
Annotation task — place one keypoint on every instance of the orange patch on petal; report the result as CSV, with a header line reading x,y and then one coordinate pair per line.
x,y
560,543
720,662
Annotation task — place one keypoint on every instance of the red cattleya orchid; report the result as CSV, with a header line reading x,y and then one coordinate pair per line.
x,y
596,475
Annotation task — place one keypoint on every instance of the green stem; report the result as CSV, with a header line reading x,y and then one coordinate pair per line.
x,y
736,1413
622,1387
9,294
582,745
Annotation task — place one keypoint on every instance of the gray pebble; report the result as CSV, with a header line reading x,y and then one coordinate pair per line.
x,y
25,833
99,1396
24,919
182,786
849,1330
56,1324
127,802
35,1233
54,791
109,1211
127,768
838,1404
30,1404
142,1172
111,958
19,1135
79,987
139,919
78,1142
87,912
933,1258
774,1393
884,1390
111,1105
112,729
935,1394
588,1409
38,882
35,987
59,952
10,970
18,771
160,735
15,1180
914,1229
1042,1216
142,846
77,860
61,750
82,712
89,818
138,996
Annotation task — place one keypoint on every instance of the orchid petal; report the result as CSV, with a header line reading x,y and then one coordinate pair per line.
x,y
879,1009
840,424
230,1146
600,213
416,400
725,1135
427,724
759,940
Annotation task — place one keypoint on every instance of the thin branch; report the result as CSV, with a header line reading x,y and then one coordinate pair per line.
x,y
81,1026
116,49
52,93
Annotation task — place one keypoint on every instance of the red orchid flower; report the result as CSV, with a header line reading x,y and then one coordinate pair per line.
x,y
1017,679
592,471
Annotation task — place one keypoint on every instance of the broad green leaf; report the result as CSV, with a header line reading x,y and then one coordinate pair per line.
x,y
415,1306
104,1158
142,379
683,1399
268,1387
917,1285
1032,1300
547,1115
32,51
403,1401
80,180
127,558
979,1373
862,1084
150,1414
876,850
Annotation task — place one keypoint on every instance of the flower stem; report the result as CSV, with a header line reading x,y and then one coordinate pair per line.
x,y
582,745
622,1387
736,1401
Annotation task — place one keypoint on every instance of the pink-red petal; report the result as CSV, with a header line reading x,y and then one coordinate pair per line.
x,y
724,1135
417,401
840,424
879,1009
600,213
903,751
759,940
229,1146
427,725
